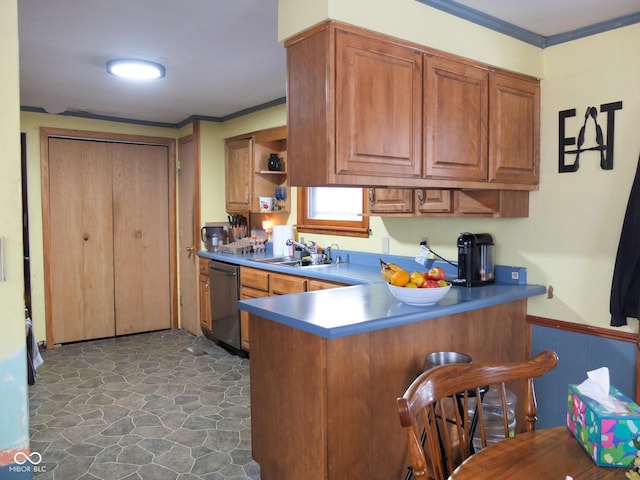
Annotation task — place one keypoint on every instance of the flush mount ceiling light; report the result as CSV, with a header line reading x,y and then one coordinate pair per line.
x,y
135,69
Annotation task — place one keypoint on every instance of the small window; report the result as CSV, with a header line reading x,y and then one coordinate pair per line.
x,y
332,210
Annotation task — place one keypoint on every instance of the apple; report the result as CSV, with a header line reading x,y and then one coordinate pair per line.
x,y
431,284
436,273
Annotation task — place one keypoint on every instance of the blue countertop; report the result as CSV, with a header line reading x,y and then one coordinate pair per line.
x,y
368,304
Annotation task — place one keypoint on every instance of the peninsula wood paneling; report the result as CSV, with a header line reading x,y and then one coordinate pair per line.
x,y
326,408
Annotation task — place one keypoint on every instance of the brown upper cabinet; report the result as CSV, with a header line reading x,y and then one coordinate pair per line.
x,y
247,174
367,109
406,202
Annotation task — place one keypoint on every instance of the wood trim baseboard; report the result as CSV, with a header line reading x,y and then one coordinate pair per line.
x,y
598,332
582,328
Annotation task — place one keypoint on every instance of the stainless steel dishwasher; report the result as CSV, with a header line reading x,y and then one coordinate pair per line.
x,y
224,282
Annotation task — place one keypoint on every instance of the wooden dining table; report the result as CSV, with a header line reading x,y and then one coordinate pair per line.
x,y
547,454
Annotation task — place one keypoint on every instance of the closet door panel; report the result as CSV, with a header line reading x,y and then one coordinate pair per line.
x,y
81,240
141,233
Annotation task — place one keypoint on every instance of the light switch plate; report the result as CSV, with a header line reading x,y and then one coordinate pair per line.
x,y
1,259
385,245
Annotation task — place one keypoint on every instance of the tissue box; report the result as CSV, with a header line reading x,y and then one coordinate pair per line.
x,y
608,437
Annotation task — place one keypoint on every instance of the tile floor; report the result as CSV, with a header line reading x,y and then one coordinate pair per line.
x,y
154,406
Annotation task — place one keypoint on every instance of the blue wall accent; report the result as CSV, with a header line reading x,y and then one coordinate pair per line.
x,y
578,353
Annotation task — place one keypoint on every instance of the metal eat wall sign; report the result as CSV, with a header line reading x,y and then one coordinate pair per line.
x,y
590,129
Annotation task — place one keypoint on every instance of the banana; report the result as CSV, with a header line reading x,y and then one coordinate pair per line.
x,y
388,269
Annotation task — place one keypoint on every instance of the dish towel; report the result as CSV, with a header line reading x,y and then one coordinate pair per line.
x,y
34,359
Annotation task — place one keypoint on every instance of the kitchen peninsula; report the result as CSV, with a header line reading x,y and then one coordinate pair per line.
x,y
327,366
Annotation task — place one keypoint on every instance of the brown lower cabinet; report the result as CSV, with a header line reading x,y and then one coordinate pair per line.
x,y
205,301
257,283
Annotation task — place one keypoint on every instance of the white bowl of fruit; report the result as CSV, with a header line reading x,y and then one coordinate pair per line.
x,y
416,288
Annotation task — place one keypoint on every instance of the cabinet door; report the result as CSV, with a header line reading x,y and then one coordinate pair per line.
x,y
254,278
247,293
430,200
378,107
390,200
456,116
238,173
280,284
491,203
205,300
514,129
314,285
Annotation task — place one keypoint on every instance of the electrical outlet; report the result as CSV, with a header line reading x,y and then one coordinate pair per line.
x,y
425,241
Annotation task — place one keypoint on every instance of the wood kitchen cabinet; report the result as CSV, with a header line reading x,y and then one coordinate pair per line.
x,y
367,109
456,114
282,284
205,298
394,201
404,202
314,284
247,176
362,123
480,125
238,174
514,129
258,283
254,283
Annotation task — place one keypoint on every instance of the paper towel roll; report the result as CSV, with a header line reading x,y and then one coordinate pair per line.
x,y
280,235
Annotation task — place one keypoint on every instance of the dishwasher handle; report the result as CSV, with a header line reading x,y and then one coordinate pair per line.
x,y
226,272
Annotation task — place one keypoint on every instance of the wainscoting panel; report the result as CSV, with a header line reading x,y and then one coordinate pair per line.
x,y
578,353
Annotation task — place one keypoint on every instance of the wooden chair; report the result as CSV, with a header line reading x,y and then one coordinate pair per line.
x,y
428,406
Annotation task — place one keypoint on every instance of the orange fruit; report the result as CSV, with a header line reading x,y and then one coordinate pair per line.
x,y
400,278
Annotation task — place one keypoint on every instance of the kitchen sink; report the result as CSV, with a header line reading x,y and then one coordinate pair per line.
x,y
289,261
278,260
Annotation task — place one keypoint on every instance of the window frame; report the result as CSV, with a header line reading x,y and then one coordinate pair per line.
x,y
352,228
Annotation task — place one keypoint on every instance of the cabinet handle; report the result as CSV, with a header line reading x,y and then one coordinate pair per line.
x,y
371,197
420,194
190,250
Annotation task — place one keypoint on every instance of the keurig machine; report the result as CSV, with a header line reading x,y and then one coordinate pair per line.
x,y
475,259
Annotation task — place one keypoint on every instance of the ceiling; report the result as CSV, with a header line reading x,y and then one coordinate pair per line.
x,y
222,57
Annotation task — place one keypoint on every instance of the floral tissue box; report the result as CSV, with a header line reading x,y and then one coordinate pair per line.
x,y
610,438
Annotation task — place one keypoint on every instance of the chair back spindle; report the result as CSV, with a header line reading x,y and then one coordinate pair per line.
x,y
442,410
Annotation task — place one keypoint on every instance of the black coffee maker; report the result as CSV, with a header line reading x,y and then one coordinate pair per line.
x,y
475,259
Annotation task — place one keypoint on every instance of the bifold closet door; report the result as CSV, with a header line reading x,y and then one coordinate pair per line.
x,y
141,238
81,240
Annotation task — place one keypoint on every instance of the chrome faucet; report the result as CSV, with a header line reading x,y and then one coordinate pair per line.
x,y
329,250
302,246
